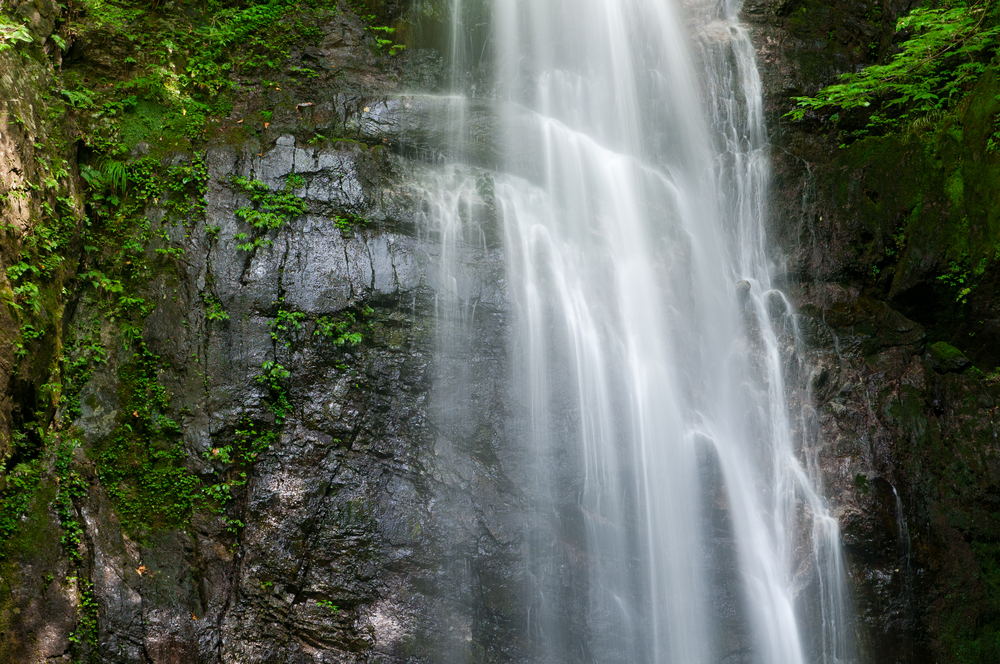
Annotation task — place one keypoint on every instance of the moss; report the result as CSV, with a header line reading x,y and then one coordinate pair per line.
x,y
33,545
939,188
943,358
973,636
920,215
141,464
947,458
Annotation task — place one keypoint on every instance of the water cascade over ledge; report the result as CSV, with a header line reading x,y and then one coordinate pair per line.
x,y
677,515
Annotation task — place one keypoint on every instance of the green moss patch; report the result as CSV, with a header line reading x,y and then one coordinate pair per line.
x,y
141,463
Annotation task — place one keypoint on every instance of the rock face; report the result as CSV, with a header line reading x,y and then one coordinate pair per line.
x,y
363,508
25,167
367,528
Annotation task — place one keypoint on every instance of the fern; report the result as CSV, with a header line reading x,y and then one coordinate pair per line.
x,y
115,174
947,52
12,33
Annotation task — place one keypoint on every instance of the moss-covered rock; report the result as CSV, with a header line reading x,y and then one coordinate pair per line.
x,y
943,357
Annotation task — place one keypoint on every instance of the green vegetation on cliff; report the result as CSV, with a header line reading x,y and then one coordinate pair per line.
x,y
919,169
925,225
112,105
943,53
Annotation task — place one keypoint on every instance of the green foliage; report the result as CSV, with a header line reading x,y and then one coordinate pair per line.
x,y
947,50
961,279
39,271
273,377
270,210
341,329
71,487
296,71
213,308
82,99
375,16
13,33
347,221
382,40
236,460
286,326
19,487
115,174
86,619
185,63
328,605
977,642
118,231
141,462
82,353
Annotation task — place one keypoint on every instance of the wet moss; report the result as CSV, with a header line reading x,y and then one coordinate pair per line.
x,y
945,357
30,547
947,449
972,635
919,211
141,464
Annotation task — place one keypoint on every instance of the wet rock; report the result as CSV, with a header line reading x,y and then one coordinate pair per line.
x,y
40,16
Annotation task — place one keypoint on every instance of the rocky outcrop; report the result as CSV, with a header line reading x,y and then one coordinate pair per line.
x,y
38,168
359,524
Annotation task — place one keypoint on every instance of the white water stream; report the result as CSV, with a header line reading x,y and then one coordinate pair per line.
x,y
657,363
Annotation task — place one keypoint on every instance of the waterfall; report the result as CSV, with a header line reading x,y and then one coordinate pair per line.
x,y
677,507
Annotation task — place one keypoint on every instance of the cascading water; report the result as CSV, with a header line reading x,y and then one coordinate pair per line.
x,y
657,364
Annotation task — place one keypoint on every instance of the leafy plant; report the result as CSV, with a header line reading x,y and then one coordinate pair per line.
x,y
382,40
213,308
141,464
960,278
993,142
347,221
86,621
946,52
82,353
328,605
20,486
273,377
79,98
338,329
13,33
237,459
71,488
270,210
286,325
